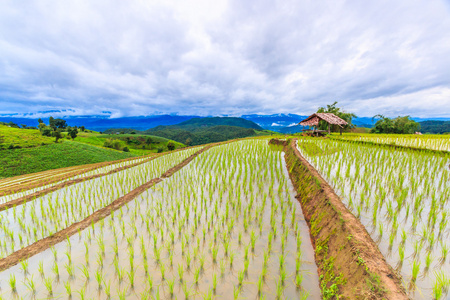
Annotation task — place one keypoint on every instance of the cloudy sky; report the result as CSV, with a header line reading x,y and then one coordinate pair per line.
x,y
222,57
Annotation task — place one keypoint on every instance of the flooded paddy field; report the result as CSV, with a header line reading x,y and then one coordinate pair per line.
x,y
226,225
402,198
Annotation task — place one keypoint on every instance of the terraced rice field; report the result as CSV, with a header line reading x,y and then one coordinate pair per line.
x,y
225,225
403,199
429,141
25,224
20,186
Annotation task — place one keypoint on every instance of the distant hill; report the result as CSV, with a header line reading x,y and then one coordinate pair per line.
x,y
438,127
209,122
201,135
197,131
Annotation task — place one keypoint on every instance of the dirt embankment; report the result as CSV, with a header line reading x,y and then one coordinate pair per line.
x,y
102,213
350,265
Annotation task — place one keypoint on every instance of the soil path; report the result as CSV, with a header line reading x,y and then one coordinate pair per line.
x,y
100,214
350,265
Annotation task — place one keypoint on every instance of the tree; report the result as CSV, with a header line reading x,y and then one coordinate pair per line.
x,y
171,146
57,134
348,117
149,140
57,123
82,128
40,121
60,123
125,149
51,123
400,125
73,131
188,142
13,125
46,131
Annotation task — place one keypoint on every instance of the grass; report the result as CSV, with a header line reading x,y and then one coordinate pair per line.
x,y
14,162
22,138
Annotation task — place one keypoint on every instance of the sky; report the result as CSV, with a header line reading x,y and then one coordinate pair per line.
x,y
225,57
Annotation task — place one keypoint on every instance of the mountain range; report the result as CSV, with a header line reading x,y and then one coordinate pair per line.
x,y
285,123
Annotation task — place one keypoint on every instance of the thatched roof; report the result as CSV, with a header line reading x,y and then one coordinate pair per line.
x,y
313,120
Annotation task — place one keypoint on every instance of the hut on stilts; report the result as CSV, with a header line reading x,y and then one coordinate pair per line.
x,y
331,119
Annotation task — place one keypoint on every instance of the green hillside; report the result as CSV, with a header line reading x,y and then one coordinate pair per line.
x,y
15,162
199,136
21,138
215,121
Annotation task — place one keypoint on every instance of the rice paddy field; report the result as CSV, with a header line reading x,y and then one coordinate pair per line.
x,y
226,225
430,141
402,197
25,224
46,179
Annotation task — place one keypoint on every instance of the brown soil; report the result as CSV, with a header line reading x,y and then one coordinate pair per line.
x,y
350,265
100,214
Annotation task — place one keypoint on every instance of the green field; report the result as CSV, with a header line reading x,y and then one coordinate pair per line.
x,y
14,162
136,143
22,138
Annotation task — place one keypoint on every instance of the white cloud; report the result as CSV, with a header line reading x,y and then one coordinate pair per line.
x,y
225,57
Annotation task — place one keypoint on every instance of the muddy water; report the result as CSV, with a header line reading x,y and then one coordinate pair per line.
x,y
185,206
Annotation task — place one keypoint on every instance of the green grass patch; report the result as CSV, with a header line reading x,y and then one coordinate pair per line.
x,y
22,138
16,162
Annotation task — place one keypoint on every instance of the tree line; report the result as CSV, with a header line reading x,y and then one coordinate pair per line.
x,y
56,127
399,125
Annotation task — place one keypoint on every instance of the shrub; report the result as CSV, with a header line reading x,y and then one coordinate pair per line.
x,y
171,146
125,149
160,149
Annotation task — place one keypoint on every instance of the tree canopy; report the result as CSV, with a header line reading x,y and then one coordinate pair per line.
x,y
401,125
332,108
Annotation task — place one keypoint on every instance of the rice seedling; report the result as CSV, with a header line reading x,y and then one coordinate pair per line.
x,y
241,276
48,282
31,285
12,283
68,288
214,282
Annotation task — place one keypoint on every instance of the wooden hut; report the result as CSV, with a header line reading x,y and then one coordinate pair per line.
x,y
331,119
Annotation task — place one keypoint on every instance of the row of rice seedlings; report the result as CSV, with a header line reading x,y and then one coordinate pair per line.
x,y
402,197
432,142
49,177
25,224
218,226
